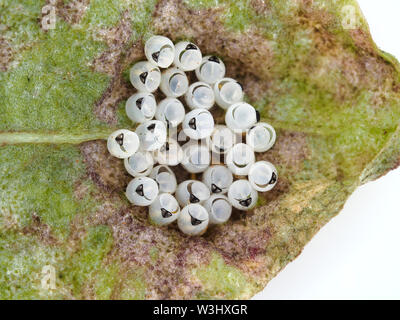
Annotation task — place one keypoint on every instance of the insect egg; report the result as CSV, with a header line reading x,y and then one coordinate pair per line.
x,y
263,176
188,56
196,157
218,179
165,179
193,220
174,82
145,77
210,70
219,209
152,135
170,153
222,139
160,51
228,91
123,143
240,158
200,96
142,191
164,210
241,116
192,191
261,137
141,107
139,164
242,195
198,124
170,111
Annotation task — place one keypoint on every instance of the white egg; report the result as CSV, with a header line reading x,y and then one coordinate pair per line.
x,y
193,220
170,111
218,179
219,209
139,164
210,70
164,210
222,139
145,76
227,92
261,137
123,143
263,176
170,153
188,56
142,191
165,178
200,95
240,158
174,82
192,191
241,116
160,51
242,195
152,135
198,124
141,107
196,157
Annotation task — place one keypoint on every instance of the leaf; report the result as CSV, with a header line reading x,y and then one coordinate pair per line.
x,y
320,81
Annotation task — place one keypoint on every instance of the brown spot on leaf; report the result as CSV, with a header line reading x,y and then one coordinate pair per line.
x,y
120,54
106,171
6,54
41,230
72,11
174,19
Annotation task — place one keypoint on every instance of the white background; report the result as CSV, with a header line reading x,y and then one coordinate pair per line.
x,y
357,254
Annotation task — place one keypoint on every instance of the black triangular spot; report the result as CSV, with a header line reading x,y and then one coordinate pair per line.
x,y
143,76
155,56
151,127
165,213
191,46
192,123
193,199
213,59
139,190
245,203
139,103
273,178
120,139
215,189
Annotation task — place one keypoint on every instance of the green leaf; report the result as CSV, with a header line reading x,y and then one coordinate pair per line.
x,y
330,93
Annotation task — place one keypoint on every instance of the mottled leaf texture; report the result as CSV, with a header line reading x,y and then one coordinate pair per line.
x,y
310,68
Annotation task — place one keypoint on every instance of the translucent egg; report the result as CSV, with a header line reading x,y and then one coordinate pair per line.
x,y
241,116
210,70
218,179
200,96
160,51
152,135
222,139
145,76
141,107
192,191
139,164
164,210
263,176
219,209
196,158
193,220
123,143
170,111
165,178
188,56
240,158
142,191
261,137
242,195
198,124
174,82
227,92
170,153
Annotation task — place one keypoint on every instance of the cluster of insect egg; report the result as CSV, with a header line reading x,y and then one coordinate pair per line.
x,y
205,202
